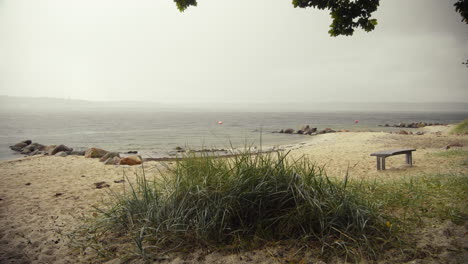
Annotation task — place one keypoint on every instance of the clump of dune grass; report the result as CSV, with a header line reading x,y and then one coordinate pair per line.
x,y
460,128
244,200
411,200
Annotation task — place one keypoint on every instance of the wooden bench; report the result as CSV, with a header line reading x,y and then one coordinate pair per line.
x,y
381,155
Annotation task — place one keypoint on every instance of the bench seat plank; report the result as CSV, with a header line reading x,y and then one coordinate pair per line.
x,y
387,153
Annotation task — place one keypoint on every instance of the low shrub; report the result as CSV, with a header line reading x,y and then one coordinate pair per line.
x,y
460,128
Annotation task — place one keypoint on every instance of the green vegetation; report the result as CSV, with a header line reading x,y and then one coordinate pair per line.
x,y
410,201
249,201
460,128
346,15
243,202
452,153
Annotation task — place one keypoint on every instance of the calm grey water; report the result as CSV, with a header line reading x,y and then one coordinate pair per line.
x,y
161,132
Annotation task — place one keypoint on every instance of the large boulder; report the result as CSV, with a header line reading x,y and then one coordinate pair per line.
x,y
311,130
18,146
27,141
131,160
109,155
60,148
95,153
35,146
49,149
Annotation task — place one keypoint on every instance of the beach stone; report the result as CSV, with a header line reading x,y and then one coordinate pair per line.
x,y
300,132
48,149
61,154
35,146
95,153
78,152
109,155
131,160
281,131
289,131
60,148
403,132
18,146
27,141
305,129
419,133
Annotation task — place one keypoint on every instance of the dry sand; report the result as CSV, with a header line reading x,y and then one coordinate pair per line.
x,y
42,198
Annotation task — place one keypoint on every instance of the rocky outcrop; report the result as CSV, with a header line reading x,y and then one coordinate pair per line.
x,y
95,153
26,147
35,146
60,148
288,131
413,125
326,130
20,145
131,160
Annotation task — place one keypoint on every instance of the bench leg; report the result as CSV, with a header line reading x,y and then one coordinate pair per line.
x,y
409,159
383,163
378,163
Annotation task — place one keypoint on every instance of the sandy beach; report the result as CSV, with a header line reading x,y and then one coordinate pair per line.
x,y
42,198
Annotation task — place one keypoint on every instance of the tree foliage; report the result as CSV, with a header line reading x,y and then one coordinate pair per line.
x,y
347,15
462,7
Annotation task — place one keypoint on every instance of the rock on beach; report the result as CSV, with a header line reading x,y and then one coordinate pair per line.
x,y
60,148
131,160
95,153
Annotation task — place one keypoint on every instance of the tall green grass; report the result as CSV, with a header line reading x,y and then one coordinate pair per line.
x,y
460,128
411,200
243,201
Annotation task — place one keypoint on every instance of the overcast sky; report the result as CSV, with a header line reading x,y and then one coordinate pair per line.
x,y
229,51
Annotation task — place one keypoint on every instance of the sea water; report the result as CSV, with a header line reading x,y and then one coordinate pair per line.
x,y
160,132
